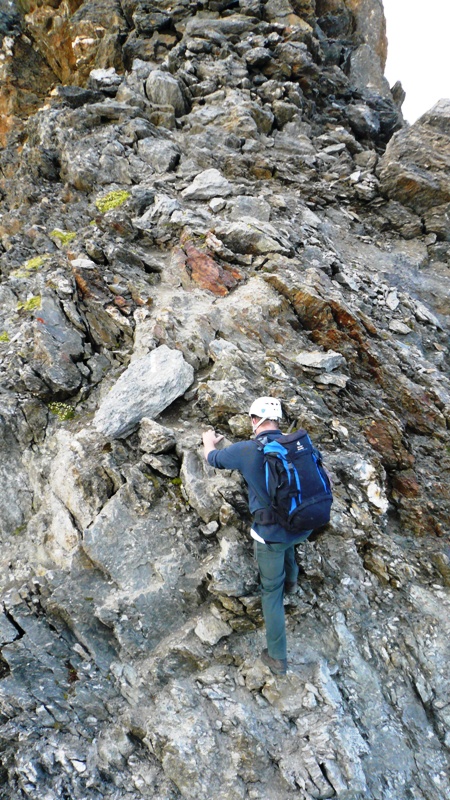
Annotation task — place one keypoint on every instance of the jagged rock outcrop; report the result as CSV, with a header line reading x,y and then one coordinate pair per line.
x,y
415,169
198,206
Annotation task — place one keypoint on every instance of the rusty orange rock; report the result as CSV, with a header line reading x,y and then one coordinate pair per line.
x,y
332,326
386,437
207,273
74,46
406,483
25,82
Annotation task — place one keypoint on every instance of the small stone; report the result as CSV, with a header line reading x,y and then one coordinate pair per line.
x,y
165,465
258,56
105,80
327,361
210,529
8,633
207,184
163,156
334,149
355,177
430,239
164,90
217,204
335,379
423,314
251,235
399,327
83,263
155,438
363,120
337,426
208,274
211,630
392,300
79,766
406,484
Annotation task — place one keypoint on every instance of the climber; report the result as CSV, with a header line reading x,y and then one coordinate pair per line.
x,y
273,545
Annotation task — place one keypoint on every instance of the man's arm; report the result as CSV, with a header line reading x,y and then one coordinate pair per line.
x,y
210,439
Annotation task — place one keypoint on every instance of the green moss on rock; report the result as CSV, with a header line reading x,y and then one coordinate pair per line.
x,y
4,337
65,237
31,304
62,410
32,265
112,200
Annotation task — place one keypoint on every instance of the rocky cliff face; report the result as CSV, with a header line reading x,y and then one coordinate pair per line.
x,y
201,203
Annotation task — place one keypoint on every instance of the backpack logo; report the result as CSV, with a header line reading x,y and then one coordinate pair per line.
x,y
297,484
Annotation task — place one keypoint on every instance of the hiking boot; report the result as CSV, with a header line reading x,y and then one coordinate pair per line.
x,y
276,665
290,588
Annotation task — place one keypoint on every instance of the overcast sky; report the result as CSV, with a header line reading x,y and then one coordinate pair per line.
x,y
419,51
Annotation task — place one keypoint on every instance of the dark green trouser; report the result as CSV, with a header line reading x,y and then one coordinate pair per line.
x,y
277,565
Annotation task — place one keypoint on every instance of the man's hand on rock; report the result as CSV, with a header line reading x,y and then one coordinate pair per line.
x,y
210,440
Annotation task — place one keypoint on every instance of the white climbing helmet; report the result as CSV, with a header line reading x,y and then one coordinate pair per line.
x,y
266,408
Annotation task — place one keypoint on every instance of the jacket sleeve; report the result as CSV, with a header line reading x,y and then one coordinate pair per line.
x,y
227,458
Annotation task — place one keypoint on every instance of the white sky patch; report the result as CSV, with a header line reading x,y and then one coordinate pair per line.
x,y
419,52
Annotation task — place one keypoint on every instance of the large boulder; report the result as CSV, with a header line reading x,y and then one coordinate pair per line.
x,y
415,169
145,389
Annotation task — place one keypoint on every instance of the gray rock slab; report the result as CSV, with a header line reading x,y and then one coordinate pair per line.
x,y
165,465
154,572
16,496
366,71
203,487
148,386
233,572
8,632
57,345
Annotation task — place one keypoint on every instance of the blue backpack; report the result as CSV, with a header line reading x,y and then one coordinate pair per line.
x,y
296,482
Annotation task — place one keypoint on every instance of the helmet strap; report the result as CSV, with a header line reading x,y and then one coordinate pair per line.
x,y
255,427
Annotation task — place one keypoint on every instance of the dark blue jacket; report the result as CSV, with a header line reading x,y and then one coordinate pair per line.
x,y
248,459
